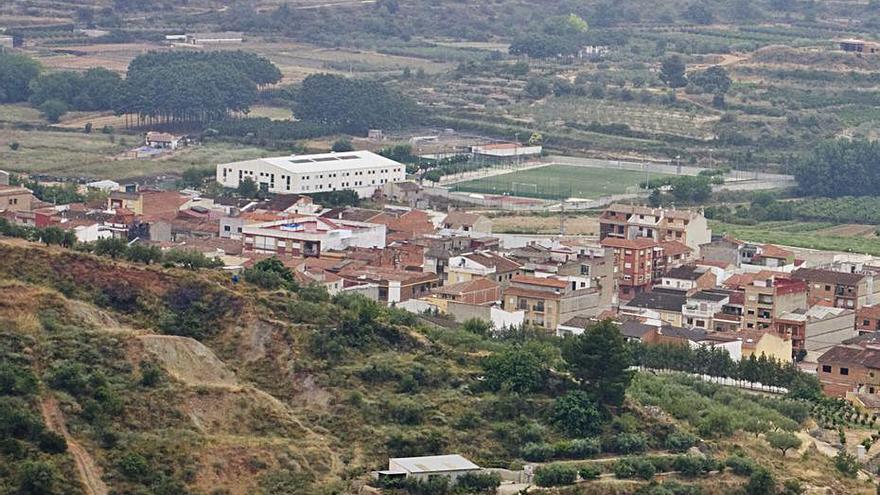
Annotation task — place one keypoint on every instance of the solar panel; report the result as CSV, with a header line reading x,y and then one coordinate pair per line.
x,y
328,159
301,161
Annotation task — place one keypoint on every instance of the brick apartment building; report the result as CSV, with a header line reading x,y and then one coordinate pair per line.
x,y
850,369
831,288
634,262
766,299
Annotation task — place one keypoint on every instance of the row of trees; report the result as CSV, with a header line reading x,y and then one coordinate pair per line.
x,y
717,362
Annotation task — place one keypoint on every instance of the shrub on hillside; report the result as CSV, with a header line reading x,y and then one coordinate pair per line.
x,y
555,475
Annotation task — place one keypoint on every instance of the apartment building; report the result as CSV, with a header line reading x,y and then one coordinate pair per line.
x,y
482,264
768,298
832,288
660,224
309,236
634,261
548,302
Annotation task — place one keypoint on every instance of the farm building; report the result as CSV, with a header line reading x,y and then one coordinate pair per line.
x,y
426,467
360,171
214,38
858,46
163,140
505,152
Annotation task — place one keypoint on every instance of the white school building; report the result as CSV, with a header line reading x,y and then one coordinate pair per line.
x,y
360,171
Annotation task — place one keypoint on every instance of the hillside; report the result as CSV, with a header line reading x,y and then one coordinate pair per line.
x,y
289,390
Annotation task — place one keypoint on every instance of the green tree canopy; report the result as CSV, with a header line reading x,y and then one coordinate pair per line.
x,y
515,370
352,105
600,359
576,415
672,72
16,74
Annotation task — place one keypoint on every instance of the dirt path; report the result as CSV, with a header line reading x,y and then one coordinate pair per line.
x,y
89,472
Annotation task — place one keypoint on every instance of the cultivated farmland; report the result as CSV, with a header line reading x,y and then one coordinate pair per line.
x,y
559,181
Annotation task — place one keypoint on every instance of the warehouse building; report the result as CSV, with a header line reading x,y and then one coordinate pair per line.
x,y
360,171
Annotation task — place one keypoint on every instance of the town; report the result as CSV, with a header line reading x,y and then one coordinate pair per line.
x,y
411,247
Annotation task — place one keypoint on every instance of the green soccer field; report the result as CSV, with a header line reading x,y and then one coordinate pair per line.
x,y
559,182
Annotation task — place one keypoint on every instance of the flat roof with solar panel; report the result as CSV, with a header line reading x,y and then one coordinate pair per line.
x,y
323,162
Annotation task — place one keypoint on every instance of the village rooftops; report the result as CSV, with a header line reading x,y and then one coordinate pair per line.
x,y
866,355
686,272
638,243
710,295
327,162
460,288
540,282
772,251
490,259
674,248
827,276
661,300
461,219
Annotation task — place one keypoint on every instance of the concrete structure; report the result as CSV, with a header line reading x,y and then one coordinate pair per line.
x,y
104,185
505,152
309,236
700,308
475,291
663,305
816,330
498,317
423,468
394,286
660,224
482,264
359,171
214,38
547,302
15,198
689,278
760,343
4,178
467,222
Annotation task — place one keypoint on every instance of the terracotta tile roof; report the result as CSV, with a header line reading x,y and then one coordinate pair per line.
x,y
541,282
827,276
852,354
674,248
531,293
501,263
477,284
772,251
638,243
717,264
461,218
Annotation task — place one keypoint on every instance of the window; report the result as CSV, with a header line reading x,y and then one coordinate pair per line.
x,y
227,228
826,368
866,323
585,270
522,304
844,371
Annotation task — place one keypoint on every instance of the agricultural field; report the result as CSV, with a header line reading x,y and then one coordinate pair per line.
x,y
545,224
97,155
558,181
810,235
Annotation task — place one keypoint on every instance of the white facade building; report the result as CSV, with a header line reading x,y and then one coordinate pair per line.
x,y
309,236
360,171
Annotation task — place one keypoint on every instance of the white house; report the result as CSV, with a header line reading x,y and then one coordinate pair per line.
x,y
360,171
104,185
308,236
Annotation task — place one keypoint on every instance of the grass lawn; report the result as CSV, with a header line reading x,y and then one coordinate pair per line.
x,y
559,181
20,113
813,235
